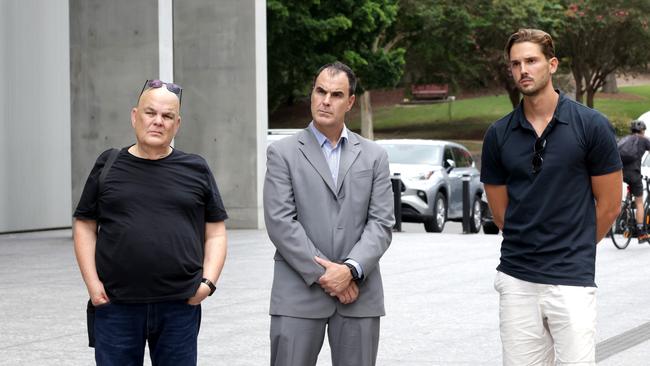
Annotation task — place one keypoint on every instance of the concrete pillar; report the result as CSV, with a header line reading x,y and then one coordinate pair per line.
x,y
34,115
219,57
220,60
113,50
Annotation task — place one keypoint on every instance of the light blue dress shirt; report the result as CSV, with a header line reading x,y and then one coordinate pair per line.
x,y
332,155
331,152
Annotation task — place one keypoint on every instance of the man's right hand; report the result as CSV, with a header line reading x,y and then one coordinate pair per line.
x,y
97,294
350,294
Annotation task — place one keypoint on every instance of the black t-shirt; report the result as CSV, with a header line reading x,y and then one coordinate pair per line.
x,y
549,234
151,215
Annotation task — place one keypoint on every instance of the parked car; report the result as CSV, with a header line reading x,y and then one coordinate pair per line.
x,y
275,134
432,176
489,227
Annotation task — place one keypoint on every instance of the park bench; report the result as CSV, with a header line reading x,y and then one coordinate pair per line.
x,y
430,91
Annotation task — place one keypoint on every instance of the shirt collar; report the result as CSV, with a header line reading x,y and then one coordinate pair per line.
x,y
559,114
322,139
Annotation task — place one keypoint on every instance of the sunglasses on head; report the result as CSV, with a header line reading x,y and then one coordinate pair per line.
x,y
155,83
538,149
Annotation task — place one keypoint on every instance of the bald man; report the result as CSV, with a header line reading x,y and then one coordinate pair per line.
x,y
150,239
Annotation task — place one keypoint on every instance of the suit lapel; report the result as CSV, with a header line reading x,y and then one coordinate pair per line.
x,y
313,153
349,153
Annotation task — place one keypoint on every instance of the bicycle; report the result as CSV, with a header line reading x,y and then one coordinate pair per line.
x,y
624,227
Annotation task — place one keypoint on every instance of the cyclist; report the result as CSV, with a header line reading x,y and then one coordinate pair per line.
x,y
631,148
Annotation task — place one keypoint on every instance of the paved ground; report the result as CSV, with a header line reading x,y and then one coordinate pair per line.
x,y
442,309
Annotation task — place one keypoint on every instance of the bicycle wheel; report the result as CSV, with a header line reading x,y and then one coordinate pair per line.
x,y
622,229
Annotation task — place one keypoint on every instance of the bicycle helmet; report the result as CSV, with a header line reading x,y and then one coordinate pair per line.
x,y
637,126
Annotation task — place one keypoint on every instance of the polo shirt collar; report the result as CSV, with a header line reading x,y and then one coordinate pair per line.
x,y
559,114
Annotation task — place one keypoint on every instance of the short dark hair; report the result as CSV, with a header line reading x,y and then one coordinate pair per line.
x,y
334,68
536,36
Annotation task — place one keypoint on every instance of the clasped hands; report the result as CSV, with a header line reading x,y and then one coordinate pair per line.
x,y
337,281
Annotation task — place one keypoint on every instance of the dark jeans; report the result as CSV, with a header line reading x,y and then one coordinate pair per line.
x,y
170,328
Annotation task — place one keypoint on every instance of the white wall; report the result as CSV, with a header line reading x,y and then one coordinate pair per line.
x,y
34,115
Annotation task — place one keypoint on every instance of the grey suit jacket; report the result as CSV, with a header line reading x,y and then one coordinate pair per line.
x,y
306,215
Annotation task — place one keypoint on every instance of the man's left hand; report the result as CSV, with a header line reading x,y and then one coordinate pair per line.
x,y
200,295
337,277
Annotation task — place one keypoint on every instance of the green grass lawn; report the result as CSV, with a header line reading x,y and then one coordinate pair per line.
x,y
461,119
621,112
468,119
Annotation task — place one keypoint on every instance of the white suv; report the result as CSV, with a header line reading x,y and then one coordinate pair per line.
x,y
432,173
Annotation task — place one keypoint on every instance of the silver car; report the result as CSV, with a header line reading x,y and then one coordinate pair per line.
x,y
275,134
432,173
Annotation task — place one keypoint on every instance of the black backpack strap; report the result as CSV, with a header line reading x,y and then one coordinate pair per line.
x,y
107,167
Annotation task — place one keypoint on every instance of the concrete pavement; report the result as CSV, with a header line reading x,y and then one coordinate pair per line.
x,y
441,306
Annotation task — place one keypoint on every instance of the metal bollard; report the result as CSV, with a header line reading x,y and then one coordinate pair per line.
x,y
450,102
466,204
396,181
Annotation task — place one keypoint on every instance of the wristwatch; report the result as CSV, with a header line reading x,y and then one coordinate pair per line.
x,y
353,270
210,285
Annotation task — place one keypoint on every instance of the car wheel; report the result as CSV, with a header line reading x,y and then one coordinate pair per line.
x,y
476,216
437,223
490,228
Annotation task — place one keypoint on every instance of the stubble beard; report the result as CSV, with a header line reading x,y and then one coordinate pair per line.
x,y
534,89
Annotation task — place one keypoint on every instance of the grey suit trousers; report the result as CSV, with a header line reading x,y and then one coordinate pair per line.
x,y
298,341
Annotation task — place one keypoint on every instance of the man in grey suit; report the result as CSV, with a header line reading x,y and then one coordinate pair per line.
x,y
328,209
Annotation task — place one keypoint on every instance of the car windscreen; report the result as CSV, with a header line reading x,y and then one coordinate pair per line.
x,y
413,154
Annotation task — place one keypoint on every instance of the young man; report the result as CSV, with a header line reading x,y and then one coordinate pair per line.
x,y
329,212
552,176
161,242
638,144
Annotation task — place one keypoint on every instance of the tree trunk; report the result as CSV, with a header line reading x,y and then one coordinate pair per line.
x,y
610,85
515,97
590,96
580,94
366,116
505,77
577,77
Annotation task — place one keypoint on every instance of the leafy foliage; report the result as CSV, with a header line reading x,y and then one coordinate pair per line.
x,y
303,35
600,37
462,43
449,41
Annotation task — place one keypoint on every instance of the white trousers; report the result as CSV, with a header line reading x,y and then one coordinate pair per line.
x,y
546,325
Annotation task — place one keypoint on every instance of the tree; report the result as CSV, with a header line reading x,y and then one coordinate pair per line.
x,y
379,67
305,34
378,63
496,21
462,43
297,45
439,43
600,37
